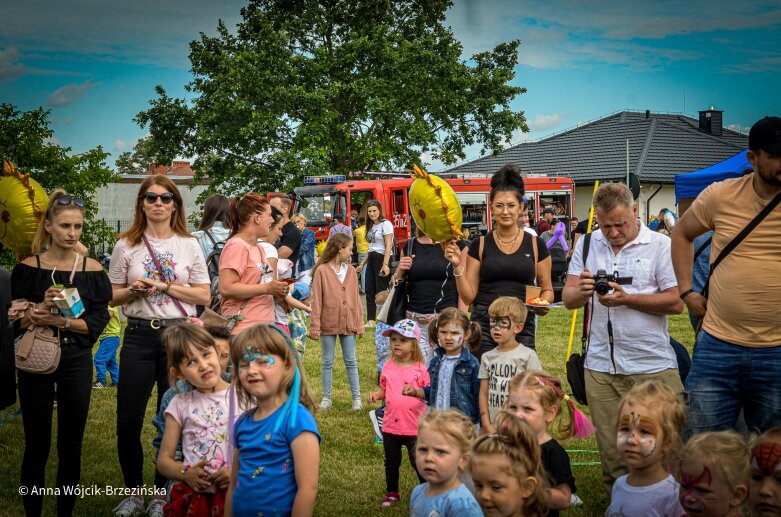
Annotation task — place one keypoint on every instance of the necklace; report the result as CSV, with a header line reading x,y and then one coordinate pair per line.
x,y
510,243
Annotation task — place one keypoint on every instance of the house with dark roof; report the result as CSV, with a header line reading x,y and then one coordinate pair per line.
x,y
655,146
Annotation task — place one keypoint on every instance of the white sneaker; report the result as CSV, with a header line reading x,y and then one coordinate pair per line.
x,y
575,500
375,423
357,405
155,508
129,506
325,404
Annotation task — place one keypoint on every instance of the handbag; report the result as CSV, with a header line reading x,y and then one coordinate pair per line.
x,y
38,350
576,363
395,307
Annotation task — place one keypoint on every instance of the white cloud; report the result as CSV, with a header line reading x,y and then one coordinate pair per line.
x,y
120,145
68,94
739,128
53,140
9,66
545,122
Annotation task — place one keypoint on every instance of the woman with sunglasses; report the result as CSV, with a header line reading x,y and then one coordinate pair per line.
x,y
158,270
502,263
33,279
248,281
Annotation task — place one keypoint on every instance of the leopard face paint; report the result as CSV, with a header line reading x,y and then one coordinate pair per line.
x,y
638,434
766,456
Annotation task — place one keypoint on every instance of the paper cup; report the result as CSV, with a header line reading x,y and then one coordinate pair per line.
x,y
69,303
532,291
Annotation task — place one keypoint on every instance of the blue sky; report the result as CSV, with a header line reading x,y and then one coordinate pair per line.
x,y
95,63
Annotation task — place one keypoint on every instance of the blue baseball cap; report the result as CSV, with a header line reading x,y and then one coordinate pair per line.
x,y
301,291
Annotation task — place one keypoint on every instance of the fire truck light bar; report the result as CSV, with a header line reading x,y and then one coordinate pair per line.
x,y
318,180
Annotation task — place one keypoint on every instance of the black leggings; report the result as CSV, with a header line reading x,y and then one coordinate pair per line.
x,y
374,283
391,444
142,364
73,380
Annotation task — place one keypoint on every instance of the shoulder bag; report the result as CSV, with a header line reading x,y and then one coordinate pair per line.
x,y
395,307
575,367
38,349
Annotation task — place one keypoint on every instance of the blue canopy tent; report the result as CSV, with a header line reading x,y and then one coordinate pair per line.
x,y
690,184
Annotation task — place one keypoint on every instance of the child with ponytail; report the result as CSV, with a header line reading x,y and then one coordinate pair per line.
x,y
536,397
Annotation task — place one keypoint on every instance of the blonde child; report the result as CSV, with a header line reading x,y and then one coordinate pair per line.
x,y
200,419
713,470
536,398
507,471
648,437
453,370
498,366
441,453
277,444
337,312
403,374
765,484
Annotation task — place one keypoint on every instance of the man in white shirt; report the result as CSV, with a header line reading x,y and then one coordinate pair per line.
x,y
628,342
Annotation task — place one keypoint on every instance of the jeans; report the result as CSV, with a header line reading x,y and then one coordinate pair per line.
x,y
350,362
106,359
142,364
391,444
725,378
374,283
73,380
363,272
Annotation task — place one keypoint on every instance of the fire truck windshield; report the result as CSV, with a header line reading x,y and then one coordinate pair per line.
x,y
319,203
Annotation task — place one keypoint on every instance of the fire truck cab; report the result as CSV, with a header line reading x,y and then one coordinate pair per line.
x,y
323,196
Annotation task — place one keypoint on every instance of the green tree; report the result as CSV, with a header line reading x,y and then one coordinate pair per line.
x,y
27,140
138,161
327,87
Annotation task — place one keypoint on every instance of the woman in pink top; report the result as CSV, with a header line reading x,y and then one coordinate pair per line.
x,y
158,271
247,281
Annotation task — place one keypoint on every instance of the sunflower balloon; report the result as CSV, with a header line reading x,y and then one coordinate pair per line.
x,y
434,206
22,202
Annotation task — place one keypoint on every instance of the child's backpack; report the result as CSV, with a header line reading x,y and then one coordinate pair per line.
x,y
213,266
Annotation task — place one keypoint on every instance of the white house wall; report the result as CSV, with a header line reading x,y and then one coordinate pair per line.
x,y
664,199
117,201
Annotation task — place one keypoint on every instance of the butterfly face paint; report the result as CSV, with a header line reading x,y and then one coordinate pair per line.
x,y
451,338
766,457
637,434
251,355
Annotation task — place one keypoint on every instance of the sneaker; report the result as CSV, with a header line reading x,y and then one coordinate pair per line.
x,y
98,385
377,441
129,507
390,499
325,404
376,424
155,508
575,500
357,405
369,325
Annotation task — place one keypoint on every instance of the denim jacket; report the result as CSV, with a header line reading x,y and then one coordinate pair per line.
x,y
306,258
464,385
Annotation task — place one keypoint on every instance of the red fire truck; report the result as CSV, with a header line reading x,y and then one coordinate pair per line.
x,y
323,196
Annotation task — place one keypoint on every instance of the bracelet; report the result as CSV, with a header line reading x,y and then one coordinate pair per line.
x,y
167,286
184,469
687,293
459,274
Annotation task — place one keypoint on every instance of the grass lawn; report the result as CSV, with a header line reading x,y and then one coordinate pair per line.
x,y
351,467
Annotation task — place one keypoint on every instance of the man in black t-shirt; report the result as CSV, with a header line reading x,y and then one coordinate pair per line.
x,y
290,243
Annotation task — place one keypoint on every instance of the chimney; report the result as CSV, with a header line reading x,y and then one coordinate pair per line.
x,y
647,113
711,121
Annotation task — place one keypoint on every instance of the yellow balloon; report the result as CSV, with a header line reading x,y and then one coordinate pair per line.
x,y
320,248
22,202
435,207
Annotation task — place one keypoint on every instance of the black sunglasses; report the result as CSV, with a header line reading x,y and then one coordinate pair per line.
x,y
67,199
152,198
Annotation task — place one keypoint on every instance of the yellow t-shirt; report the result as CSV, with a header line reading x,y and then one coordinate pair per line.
x,y
114,324
744,289
361,244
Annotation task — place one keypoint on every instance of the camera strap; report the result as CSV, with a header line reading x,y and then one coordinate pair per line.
x,y
739,238
587,312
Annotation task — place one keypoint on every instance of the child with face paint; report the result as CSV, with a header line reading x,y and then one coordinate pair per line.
x,y
536,397
277,443
765,484
650,421
403,375
200,420
453,370
506,317
713,470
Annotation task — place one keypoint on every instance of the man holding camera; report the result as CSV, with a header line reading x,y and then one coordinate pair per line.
x,y
628,338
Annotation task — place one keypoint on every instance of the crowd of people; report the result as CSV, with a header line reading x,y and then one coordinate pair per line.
x,y
459,384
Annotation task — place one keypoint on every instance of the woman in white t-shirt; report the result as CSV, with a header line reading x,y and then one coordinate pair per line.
x,y
379,234
158,271
247,280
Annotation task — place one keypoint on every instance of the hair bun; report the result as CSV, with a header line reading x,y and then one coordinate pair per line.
x,y
509,176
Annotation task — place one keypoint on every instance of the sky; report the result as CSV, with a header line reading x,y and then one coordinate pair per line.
x,y
95,64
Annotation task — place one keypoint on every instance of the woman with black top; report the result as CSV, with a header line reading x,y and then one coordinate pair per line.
x,y
379,234
32,279
431,286
502,263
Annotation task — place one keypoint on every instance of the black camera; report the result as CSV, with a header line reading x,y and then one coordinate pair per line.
x,y
602,278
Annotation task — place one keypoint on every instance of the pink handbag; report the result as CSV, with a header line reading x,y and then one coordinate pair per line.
x,y
38,349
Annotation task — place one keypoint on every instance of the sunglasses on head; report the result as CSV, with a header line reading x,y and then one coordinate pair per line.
x,y
67,199
151,198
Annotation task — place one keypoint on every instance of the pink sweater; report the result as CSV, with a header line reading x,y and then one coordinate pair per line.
x,y
336,306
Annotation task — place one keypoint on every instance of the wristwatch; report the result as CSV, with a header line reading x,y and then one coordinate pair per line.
x,y
67,324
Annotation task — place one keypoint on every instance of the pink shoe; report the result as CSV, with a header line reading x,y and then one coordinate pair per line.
x,y
390,499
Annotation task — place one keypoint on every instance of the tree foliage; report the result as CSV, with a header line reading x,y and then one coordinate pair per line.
x,y
327,87
27,139
138,161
